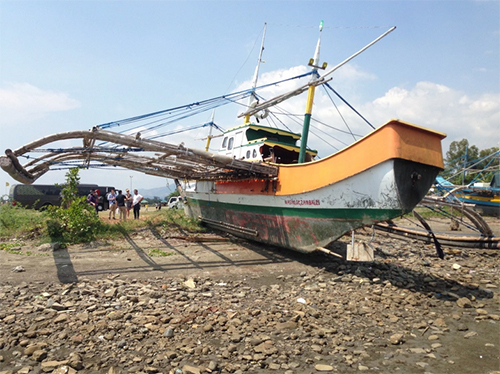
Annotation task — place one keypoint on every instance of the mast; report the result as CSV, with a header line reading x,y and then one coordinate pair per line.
x,y
310,98
209,137
252,98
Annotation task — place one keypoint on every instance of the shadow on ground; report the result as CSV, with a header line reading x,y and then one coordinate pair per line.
x,y
385,270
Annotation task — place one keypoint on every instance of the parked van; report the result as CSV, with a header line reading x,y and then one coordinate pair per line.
x,y
175,202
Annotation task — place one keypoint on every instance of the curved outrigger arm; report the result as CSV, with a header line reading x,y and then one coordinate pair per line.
x,y
169,160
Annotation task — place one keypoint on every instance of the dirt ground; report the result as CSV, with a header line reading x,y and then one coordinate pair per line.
x,y
149,255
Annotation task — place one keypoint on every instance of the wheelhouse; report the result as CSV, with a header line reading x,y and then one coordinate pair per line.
x,y
253,142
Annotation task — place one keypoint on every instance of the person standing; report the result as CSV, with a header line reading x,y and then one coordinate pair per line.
x,y
120,202
92,200
112,203
136,204
128,201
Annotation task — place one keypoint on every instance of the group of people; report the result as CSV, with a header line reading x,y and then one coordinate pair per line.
x,y
124,203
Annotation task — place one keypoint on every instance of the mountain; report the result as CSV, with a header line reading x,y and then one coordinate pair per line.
x,y
150,193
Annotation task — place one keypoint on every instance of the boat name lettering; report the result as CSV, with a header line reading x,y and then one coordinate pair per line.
x,y
302,202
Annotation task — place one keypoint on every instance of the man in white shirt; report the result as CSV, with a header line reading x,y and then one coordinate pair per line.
x,y
112,203
136,204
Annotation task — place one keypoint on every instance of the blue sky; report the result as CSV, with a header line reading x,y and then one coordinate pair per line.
x,y
69,65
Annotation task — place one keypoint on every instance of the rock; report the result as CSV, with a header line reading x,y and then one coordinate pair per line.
x,y
470,334
75,361
110,292
169,333
60,318
422,364
64,370
464,302
18,269
322,367
28,351
462,327
439,322
45,247
190,283
396,339
171,355
208,327
418,350
121,344
39,355
212,365
187,369
50,366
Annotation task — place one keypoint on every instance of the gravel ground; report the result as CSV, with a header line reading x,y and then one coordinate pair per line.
x,y
156,304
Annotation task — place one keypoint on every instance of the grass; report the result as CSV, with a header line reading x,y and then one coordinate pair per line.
x,y
9,248
27,224
155,252
18,222
429,213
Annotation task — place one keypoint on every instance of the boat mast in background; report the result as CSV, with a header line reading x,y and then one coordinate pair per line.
x,y
253,98
314,63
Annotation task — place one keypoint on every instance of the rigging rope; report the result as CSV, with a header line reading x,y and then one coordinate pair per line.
x,y
349,105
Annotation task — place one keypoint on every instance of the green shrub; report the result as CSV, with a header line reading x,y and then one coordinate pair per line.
x,y
75,221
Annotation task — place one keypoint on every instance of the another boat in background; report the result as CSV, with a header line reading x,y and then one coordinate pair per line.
x,y
484,197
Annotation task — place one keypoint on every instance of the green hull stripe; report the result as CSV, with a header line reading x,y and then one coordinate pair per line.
x,y
317,213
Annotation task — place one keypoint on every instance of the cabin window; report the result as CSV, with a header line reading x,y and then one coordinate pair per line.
x,y
224,142
248,154
230,144
254,154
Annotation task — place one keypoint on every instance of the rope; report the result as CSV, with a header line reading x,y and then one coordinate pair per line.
x,y
349,105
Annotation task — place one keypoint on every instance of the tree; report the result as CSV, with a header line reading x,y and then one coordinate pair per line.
x,y
75,221
69,190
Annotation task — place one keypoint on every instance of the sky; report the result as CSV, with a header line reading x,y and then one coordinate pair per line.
x,y
71,65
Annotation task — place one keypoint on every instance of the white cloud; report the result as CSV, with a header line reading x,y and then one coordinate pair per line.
x,y
443,109
22,102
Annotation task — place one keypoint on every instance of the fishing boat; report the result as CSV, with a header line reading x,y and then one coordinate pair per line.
x,y
482,197
260,184
309,205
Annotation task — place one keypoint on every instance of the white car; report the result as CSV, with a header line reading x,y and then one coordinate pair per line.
x,y
175,202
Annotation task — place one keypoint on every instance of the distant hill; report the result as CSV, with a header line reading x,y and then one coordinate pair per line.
x,y
160,192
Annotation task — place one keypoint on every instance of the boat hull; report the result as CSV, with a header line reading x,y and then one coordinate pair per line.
x,y
304,222
485,200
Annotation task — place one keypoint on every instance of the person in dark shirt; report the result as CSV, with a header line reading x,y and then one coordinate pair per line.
x,y
120,200
92,200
